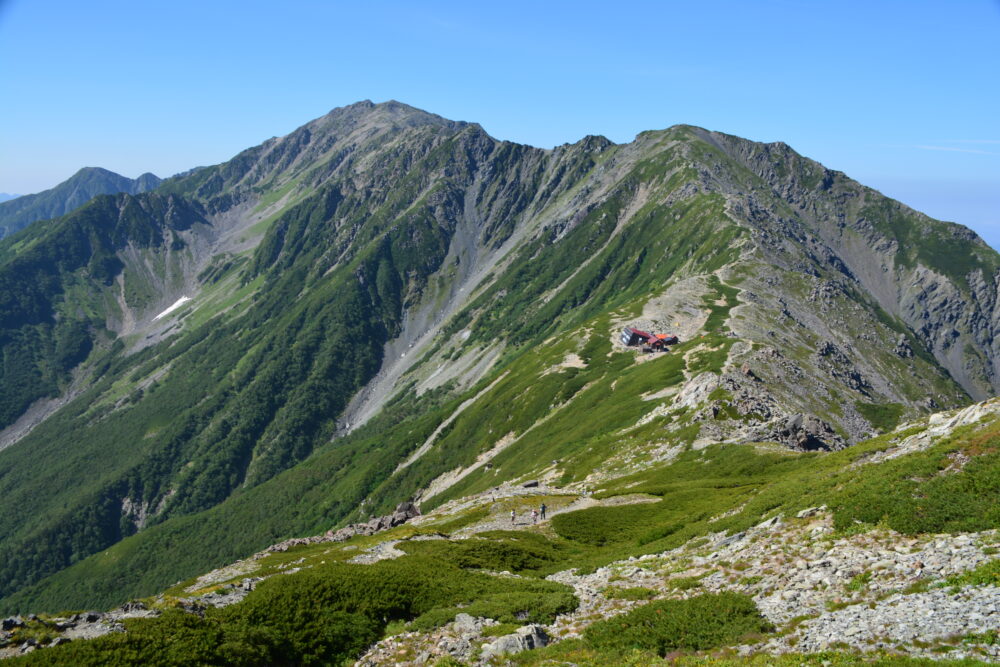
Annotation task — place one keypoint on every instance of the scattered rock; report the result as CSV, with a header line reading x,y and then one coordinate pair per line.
x,y
811,511
403,513
806,433
732,539
902,348
11,623
526,638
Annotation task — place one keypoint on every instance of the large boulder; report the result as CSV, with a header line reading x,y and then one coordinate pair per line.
x,y
11,623
806,433
526,638
404,512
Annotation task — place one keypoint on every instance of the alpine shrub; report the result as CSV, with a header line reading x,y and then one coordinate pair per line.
x,y
698,623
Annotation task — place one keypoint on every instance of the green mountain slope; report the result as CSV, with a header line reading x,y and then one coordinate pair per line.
x,y
730,544
55,287
386,305
72,193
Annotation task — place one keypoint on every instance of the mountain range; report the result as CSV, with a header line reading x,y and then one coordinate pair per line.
x,y
387,306
18,211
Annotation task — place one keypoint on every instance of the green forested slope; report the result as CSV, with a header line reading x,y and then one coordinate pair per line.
x,y
55,283
231,403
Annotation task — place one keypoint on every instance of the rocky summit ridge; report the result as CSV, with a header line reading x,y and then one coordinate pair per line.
x,y
387,307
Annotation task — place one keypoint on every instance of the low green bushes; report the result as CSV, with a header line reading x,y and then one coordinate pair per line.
x,y
324,615
883,416
531,602
180,638
593,526
496,550
987,574
915,494
698,623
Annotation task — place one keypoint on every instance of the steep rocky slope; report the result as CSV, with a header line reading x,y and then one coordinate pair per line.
x,y
938,279
385,305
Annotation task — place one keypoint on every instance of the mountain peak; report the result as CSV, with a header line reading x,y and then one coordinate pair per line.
x,y
391,113
72,193
94,170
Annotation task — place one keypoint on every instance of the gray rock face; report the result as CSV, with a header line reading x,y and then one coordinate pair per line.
x,y
900,257
808,433
11,623
403,513
526,638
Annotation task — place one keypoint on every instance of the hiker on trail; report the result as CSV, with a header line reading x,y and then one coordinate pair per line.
x,y
543,511
513,515
534,515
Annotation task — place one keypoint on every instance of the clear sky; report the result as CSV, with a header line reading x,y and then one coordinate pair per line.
x,y
901,95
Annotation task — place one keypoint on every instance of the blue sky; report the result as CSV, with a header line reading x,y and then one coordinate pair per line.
x,y
903,96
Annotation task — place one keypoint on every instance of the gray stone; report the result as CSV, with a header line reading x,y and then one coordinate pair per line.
x,y
811,511
732,539
526,638
11,623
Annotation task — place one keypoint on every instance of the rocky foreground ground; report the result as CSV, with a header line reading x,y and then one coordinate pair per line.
x,y
875,591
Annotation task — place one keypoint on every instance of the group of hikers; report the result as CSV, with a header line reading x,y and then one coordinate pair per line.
x,y
535,514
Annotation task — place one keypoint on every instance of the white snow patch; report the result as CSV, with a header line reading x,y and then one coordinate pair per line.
x,y
177,304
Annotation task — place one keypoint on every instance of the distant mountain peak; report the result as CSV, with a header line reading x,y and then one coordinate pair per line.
x,y
78,189
374,115
95,170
